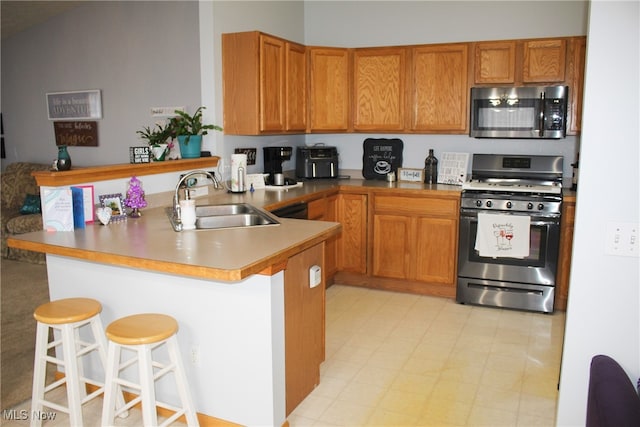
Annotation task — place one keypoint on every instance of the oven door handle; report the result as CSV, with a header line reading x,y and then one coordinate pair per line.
x,y
535,219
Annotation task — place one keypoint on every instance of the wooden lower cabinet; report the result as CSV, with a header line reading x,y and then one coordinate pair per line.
x,y
415,239
352,244
326,209
304,326
564,255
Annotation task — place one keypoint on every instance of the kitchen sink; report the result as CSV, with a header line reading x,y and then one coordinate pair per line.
x,y
212,217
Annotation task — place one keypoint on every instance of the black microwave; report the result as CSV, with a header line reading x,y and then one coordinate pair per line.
x,y
519,112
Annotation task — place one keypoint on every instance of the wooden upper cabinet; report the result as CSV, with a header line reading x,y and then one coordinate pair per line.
x,y
379,76
544,61
495,62
272,55
264,84
329,89
296,87
575,77
440,88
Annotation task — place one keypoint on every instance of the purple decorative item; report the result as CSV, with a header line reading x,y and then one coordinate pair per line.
x,y
135,197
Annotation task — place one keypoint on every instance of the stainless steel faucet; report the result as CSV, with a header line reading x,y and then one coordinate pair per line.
x,y
176,195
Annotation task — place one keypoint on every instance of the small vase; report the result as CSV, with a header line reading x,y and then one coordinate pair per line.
x,y
135,213
190,146
64,160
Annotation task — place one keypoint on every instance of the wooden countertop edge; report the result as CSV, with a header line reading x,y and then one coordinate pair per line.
x,y
125,170
268,266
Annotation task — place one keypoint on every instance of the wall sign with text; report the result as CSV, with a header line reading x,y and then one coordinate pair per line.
x,y
82,134
78,105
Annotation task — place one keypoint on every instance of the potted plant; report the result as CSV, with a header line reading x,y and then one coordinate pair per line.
x,y
189,130
157,139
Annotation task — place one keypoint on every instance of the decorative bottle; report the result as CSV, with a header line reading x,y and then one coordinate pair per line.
x,y
431,169
64,160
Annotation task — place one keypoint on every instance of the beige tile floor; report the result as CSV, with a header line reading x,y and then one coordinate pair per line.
x,y
405,360
396,359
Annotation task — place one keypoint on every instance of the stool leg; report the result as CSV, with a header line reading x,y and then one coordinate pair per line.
x,y
39,372
98,333
181,382
71,373
147,384
111,387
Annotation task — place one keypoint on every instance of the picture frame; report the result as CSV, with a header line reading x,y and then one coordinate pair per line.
x,y
410,175
75,105
116,203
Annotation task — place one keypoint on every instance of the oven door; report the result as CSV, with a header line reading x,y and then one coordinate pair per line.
x,y
538,268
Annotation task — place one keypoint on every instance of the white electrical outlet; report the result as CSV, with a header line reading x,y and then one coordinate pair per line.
x,y
315,276
165,111
195,355
622,239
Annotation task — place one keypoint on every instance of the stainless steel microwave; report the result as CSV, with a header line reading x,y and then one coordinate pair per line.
x,y
519,112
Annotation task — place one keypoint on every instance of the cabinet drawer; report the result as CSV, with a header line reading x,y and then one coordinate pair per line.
x,y
416,205
316,209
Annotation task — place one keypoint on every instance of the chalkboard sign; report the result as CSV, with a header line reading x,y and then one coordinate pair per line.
x,y
381,156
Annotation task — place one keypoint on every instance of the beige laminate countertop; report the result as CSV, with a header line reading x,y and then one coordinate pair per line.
x,y
150,243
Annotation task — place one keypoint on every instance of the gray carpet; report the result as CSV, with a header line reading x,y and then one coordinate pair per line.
x,y
23,288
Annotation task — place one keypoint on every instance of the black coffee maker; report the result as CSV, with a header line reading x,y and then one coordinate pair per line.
x,y
273,158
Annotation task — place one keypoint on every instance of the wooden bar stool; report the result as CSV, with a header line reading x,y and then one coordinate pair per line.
x,y
67,316
142,333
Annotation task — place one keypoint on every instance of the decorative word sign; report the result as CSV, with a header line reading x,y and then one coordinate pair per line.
x,y
82,134
139,155
77,105
410,174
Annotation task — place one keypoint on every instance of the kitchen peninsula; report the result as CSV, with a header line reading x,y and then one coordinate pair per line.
x,y
228,289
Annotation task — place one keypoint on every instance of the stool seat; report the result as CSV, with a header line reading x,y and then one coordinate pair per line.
x,y
69,310
140,329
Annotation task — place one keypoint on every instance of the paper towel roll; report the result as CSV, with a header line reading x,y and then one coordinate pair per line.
x,y
238,172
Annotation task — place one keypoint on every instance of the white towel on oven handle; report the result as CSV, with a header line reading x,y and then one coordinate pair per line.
x,y
503,235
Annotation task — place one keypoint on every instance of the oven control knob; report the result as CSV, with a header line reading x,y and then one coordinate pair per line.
x,y
478,203
529,205
489,203
540,206
509,205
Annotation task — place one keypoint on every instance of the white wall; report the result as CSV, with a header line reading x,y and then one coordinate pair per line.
x,y
140,54
604,299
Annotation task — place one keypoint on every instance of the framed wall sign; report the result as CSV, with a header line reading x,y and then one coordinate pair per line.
x,y
78,105
410,174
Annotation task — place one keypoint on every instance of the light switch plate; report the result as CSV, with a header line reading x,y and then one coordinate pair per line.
x,y
622,239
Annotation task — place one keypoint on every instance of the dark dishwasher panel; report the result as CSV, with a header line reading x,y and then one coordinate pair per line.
x,y
296,210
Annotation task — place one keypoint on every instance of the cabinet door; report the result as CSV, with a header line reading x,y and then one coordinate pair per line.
x,y
575,70
272,55
329,89
331,245
391,246
296,88
436,250
544,61
379,89
352,246
439,87
495,62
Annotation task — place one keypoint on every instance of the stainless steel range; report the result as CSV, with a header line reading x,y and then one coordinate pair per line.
x,y
509,232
